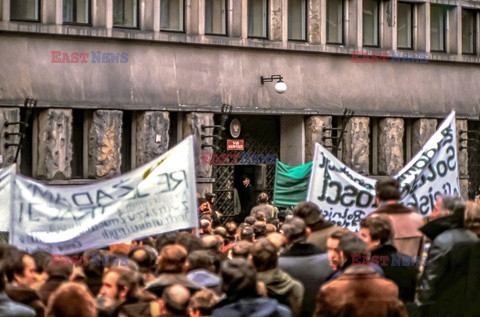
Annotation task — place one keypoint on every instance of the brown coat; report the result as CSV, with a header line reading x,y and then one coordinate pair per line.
x,y
359,292
27,296
320,233
406,222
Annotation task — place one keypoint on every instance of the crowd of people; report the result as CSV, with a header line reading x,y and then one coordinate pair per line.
x,y
269,263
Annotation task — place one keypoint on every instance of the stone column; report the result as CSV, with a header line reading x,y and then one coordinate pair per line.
x,y
194,122
316,31
314,134
8,154
104,143
152,135
422,130
462,158
390,146
356,144
277,30
55,144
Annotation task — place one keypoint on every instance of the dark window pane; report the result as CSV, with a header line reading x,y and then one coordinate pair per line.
x,y
257,18
370,23
437,28
297,16
215,17
171,15
125,13
24,10
335,21
404,25
468,32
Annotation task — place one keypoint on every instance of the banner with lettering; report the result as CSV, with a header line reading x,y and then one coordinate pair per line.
x,y
157,197
7,175
345,197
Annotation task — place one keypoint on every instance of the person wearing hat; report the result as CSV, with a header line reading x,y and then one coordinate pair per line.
x,y
304,262
319,227
263,205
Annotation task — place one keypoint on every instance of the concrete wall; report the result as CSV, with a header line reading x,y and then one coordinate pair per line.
x,y
165,76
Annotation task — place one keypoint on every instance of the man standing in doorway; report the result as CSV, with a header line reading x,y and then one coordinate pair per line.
x,y
248,195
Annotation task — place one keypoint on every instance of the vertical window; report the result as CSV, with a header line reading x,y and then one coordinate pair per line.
x,y
438,16
468,32
370,22
171,15
257,18
125,13
26,10
335,21
404,25
297,18
216,17
76,11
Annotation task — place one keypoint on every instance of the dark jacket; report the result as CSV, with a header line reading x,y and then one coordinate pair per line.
x,y
253,307
27,296
443,285
320,233
359,292
306,263
284,288
11,309
403,271
406,224
49,287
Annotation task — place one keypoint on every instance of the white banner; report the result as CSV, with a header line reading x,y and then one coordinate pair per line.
x,y
345,197
155,198
6,180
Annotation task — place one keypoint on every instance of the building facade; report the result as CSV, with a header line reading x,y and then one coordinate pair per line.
x,y
118,82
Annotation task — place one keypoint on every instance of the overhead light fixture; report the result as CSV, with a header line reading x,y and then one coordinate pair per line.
x,y
280,86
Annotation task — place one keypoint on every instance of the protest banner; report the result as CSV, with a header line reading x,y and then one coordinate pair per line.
x,y
155,198
345,197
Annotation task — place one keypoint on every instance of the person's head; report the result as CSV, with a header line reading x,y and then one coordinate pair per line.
x,y
202,303
262,198
42,260
119,283
472,217
212,242
260,216
21,268
231,228
71,300
376,231
172,259
239,279
246,180
145,259
309,212
175,300
241,249
278,239
349,245
250,220
259,229
332,247
200,259
206,225
247,234
62,272
189,241
271,229
264,255
295,231
220,231
210,197
387,189
203,205
448,205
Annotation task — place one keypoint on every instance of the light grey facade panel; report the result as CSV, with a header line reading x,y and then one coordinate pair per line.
x,y
161,77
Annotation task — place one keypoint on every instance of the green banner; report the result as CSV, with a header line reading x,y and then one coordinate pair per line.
x,y
291,184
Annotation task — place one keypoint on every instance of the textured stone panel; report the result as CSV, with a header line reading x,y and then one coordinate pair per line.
x,y
390,146
422,130
277,20
314,133
356,144
55,144
104,142
314,21
462,125
149,124
8,154
464,188
194,122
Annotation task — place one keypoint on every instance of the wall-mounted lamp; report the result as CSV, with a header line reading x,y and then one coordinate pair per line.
x,y
280,86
